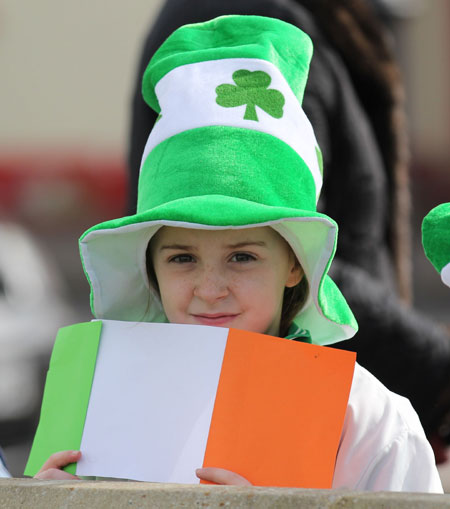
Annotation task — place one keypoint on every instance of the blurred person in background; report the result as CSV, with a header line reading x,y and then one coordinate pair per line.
x,y
354,100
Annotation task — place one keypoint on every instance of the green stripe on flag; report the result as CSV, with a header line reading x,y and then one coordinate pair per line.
x,y
66,394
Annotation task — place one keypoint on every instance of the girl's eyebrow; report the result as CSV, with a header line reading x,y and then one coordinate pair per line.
x,y
180,247
238,245
247,243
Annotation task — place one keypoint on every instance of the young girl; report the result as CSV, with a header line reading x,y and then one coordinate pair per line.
x,y
227,231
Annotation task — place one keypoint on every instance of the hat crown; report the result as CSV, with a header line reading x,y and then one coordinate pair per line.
x,y
229,92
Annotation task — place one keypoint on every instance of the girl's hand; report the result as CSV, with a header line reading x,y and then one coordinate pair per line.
x,y
221,476
52,468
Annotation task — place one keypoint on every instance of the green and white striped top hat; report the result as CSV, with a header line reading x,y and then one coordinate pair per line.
x,y
436,239
232,148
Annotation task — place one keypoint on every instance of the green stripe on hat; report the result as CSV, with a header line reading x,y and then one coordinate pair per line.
x,y
226,161
269,39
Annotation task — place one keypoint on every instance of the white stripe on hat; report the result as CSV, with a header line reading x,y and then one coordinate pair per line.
x,y
445,274
187,97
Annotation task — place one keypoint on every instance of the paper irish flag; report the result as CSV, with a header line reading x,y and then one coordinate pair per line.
x,y
153,402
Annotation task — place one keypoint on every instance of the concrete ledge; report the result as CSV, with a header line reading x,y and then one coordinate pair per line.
x,y
31,493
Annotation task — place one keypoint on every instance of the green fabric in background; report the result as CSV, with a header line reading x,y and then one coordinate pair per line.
x,y
66,394
436,236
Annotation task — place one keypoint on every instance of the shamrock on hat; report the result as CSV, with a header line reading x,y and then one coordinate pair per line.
x,y
436,239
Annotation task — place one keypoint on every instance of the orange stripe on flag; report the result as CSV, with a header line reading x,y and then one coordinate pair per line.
x,y
279,410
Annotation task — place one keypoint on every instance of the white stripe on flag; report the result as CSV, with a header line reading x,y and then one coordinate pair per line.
x,y
152,396
187,97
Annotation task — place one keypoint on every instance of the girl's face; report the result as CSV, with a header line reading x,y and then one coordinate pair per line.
x,y
225,278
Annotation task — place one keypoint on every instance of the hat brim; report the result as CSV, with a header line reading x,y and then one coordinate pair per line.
x,y
114,259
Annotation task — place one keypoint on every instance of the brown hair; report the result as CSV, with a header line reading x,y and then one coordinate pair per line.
x,y
293,300
151,274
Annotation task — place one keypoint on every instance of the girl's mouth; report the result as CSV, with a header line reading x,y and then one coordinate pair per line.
x,y
217,319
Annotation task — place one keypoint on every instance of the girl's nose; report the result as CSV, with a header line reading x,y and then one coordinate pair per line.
x,y
211,285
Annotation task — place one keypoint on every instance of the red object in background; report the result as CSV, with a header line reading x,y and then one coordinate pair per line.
x,y
60,190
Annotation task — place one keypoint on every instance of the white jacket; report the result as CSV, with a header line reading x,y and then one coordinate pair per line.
x,y
383,446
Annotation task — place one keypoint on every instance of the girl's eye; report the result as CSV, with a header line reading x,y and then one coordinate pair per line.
x,y
181,258
242,258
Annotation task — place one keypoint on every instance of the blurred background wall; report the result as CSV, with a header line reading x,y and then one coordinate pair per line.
x,y
66,71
